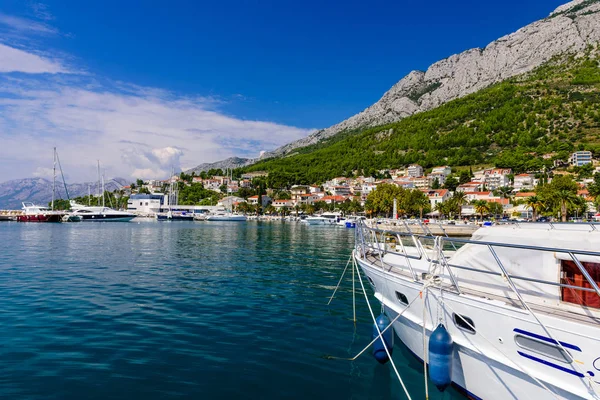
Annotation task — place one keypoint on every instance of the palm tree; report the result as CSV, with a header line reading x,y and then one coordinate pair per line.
x,y
460,198
421,202
565,198
481,207
536,204
441,208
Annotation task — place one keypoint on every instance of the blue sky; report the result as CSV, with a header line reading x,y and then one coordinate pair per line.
x,y
149,84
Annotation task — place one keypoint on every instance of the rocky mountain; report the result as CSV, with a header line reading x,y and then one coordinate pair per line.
x,y
39,190
569,29
229,163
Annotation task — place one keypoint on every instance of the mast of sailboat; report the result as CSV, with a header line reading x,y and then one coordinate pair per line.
x,y
61,174
89,194
53,178
103,190
98,191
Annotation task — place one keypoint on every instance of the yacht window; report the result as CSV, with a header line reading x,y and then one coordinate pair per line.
x,y
371,281
463,323
402,298
571,275
547,349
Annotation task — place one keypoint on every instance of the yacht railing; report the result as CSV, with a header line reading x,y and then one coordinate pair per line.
x,y
374,241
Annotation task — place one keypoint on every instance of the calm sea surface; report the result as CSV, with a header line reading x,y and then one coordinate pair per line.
x,y
156,310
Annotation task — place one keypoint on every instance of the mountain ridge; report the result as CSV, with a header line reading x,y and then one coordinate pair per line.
x,y
569,28
39,190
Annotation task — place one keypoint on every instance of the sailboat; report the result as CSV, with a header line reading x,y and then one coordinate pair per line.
x,y
35,213
100,213
173,200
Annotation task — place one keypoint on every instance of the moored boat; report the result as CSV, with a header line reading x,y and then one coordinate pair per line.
x,y
101,214
225,216
175,216
35,213
520,304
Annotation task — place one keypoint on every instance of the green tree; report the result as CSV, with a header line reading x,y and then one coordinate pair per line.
x,y
381,200
536,204
559,195
461,199
481,207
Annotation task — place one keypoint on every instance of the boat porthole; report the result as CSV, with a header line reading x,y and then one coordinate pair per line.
x,y
371,281
464,323
500,340
402,298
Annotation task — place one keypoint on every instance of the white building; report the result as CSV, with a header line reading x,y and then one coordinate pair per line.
x,y
421,182
524,181
445,170
441,178
254,200
145,204
580,158
415,171
437,196
495,178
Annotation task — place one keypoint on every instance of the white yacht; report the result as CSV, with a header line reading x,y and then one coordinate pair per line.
x,y
99,213
327,218
225,216
521,304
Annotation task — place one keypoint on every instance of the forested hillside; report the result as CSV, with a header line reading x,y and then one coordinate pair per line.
x,y
554,109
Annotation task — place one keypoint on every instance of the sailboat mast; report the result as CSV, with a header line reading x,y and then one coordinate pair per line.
x,y
62,174
53,178
89,194
98,182
103,190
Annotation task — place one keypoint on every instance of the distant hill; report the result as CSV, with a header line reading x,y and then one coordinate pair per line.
x,y
524,123
569,29
230,163
39,190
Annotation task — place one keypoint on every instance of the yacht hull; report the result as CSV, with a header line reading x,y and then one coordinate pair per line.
x,y
238,218
487,363
40,218
106,218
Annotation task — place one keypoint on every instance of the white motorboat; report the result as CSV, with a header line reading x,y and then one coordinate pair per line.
x,y
100,214
225,216
35,213
521,304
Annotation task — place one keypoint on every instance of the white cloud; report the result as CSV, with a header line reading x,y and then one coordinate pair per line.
x,y
26,25
141,132
42,172
15,60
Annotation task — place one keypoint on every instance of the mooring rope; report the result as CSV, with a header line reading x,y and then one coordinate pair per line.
x,y
329,357
379,332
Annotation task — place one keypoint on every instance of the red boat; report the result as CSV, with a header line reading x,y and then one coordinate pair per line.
x,y
33,213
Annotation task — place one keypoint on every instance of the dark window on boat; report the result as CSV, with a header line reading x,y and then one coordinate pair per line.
x,y
547,349
371,281
464,323
571,275
402,298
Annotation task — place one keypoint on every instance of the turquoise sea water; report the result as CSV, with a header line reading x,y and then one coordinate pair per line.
x,y
157,310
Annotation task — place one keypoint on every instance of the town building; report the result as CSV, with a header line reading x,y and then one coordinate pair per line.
x,y
421,182
253,200
145,204
445,170
580,158
283,204
437,196
524,182
414,171
441,178
230,201
496,178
